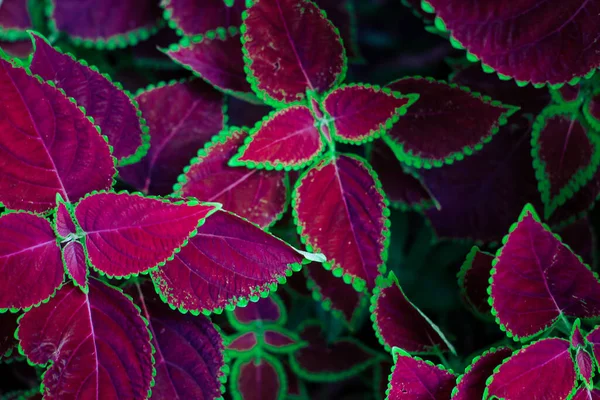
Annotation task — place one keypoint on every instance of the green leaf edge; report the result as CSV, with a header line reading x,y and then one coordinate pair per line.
x,y
461,275
593,121
474,361
590,384
275,363
257,324
166,5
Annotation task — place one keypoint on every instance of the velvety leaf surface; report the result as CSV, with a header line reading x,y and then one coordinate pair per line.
x,y
264,311
14,19
581,238
73,256
399,323
503,38
413,378
243,343
128,234
343,16
109,21
361,113
545,368
63,222
112,109
473,281
584,393
191,17
98,344
286,139
444,124
259,196
228,260
258,379
8,326
42,155
341,212
536,275
290,47
182,117
189,350
472,384
585,366
30,265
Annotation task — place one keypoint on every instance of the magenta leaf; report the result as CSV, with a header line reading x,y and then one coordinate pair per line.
x,y
473,280
64,224
112,109
279,340
399,323
577,338
228,262
189,350
110,24
594,338
30,265
471,384
128,234
258,378
427,134
282,53
39,158
8,326
565,156
73,257
581,238
269,310
343,16
14,20
243,343
182,117
97,344
361,113
591,110
534,274
585,367
584,393
286,139
340,211
259,196
414,378
190,17
544,369
548,26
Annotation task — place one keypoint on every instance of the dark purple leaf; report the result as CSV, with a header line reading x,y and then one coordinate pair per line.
x,y
343,16
64,226
290,47
112,109
566,93
473,280
471,384
591,110
281,341
42,155
229,261
341,212
503,38
243,113
536,275
191,17
581,238
296,388
73,256
577,338
445,124
8,326
259,196
543,369
269,310
14,19
30,265
258,378
182,117
594,338
19,49
97,344
128,234
380,378
584,393
243,343
578,205
399,323
585,366
414,378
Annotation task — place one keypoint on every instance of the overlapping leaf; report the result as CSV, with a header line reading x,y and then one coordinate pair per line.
x,y
579,235
584,393
473,280
74,261
245,342
269,310
190,17
14,19
471,384
578,205
258,379
591,110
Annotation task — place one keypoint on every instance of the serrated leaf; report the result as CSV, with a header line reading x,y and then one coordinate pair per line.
x,y
42,155
128,234
8,326
258,379
482,28
112,109
259,196
578,205
473,280
281,47
30,265
343,16
230,260
64,225
594,338
73,256
19,49
97,344
269,310
191,17
579,235
585,367
544,369
584,393
182,117
243,343
14,19
279,340
577,339
471,384
341,212
445,124
566,93
591,110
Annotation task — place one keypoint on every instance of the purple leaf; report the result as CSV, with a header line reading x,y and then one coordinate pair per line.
x,y
585,367
594,338
279,340
566,93
64,225
243,343
343,16
340,211
8,326
19,49
14,19
259,196
110,24
296,388
591,110
473,280
189,350
471,384
228,262
445,124
30,265
243,113
399,323
285,139
291,47
73,256
578,205
414,378
536,275
543,369
361,113
584,393
190,17
97,344
258,379
42,155
129,234
182,117
112,109
269,310
577,338
503,38
581,238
